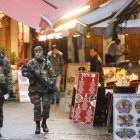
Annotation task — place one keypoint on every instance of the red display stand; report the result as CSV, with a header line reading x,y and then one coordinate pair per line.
x,y
85,101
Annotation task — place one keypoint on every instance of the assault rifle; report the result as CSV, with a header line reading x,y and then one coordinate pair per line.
x,y
3,87
29,73
1,58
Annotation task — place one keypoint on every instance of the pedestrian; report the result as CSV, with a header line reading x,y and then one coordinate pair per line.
x,y
6,85
96,64
36,69
56,58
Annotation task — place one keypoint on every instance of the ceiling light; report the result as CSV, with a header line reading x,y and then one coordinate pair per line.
x,y
76,12
66,26
105,3
42,37
76,35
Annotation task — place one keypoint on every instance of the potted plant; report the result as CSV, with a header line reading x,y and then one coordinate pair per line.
x,y
13,58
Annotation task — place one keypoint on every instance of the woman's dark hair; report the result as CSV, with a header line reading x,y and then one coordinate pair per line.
x,y
117,41
54,46
95,49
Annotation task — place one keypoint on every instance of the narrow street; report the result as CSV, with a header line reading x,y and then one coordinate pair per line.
x,y
19,125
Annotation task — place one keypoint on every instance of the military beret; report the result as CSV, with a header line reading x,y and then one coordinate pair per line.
x,y
37,48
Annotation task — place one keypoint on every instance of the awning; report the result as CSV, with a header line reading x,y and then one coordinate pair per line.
x,y
100,18
29,12
122,16
103,12
98,15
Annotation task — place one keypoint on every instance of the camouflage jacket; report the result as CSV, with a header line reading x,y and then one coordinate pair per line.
x,y
6,75
44,70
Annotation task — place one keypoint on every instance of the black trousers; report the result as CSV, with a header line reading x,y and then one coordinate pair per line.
x,y
1,110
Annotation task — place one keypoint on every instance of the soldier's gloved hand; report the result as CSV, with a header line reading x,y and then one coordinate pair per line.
x,y
27,74
8,94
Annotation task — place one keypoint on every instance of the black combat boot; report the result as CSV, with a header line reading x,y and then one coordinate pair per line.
x,y
44,126
37,131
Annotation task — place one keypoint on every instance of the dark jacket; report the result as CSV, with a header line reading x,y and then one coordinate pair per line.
x,y
96,66
57,62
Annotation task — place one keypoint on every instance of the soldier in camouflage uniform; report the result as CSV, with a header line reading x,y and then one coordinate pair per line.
x,y
5,82
38,93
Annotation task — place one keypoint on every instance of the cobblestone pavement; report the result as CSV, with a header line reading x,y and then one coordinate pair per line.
x,y
19,125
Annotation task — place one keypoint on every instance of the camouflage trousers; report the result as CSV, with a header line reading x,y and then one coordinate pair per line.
x,y
41,103
1,109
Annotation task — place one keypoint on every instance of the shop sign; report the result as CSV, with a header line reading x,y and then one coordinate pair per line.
x,y
85,100
126,118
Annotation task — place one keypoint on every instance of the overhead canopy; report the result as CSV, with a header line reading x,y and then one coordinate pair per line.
x,y
100,18
29,12
130,23
102,12
130,9
97,16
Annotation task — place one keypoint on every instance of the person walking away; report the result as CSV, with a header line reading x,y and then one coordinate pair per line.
x,y
96,64
6,85
38,92
56,59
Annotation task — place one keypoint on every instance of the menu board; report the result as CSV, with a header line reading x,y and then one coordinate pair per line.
x,y
23,83
71,81
126,109
85,100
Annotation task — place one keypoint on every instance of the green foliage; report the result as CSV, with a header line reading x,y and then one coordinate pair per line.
x,y
3,50
13,58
